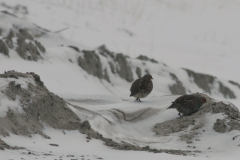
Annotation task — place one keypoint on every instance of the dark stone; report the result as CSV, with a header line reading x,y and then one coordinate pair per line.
x,y
177,88
40,46
24,48
124,70
105,75
203,81
4,48
234,83
227,93
6,12
9,39
145,58
220,126
91,63
112,67
139,72
75,48
105,52
24,34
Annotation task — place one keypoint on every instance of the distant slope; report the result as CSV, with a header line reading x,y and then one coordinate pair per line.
x,y
20,37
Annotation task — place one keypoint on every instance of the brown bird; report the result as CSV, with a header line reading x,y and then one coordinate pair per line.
x,y
141,87
188,104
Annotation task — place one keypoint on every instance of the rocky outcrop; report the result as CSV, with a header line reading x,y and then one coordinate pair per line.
x,y
206,82
3,48
91,63
123,68
22,40
176,88
36,105
145,58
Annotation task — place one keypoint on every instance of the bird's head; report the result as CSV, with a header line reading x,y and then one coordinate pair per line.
x,y
204,100
148,76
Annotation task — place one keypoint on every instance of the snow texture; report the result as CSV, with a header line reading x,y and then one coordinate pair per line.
x,y
89,54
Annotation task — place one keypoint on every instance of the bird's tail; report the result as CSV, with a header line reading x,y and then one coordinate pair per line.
x,y
172,106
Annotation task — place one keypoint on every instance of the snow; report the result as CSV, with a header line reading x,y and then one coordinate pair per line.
x,y
199,35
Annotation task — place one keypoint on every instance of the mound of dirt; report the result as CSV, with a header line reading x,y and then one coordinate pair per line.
x,y
193,125
36,104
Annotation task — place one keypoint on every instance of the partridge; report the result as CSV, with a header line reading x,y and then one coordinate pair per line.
x,y
141,87
188,104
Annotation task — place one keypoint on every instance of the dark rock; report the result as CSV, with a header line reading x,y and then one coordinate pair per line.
x,y
139,72
91,63
124,70
112,67
9,39
24,48
24,34
234,83
227,93
105,52
220,126
40,46
203,81
29,50
145,58
177,88
75,48
6,12
4,48
105,75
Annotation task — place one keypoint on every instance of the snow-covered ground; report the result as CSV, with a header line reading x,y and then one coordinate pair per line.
x,y
199,35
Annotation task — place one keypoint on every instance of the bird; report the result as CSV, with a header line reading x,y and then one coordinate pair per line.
x,y
141,87
188,104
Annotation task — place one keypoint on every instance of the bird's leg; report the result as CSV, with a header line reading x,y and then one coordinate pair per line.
x,y
136,100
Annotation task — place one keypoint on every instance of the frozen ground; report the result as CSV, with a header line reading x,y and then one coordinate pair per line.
x,y
199,35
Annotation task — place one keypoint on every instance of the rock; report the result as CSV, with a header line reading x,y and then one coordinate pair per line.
x,y
145,58
139,72
9,39
227,93
234,83
206,82
91,63
4,48
75,48
177,88
28,49
220,126
123,69
203,81
105,52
